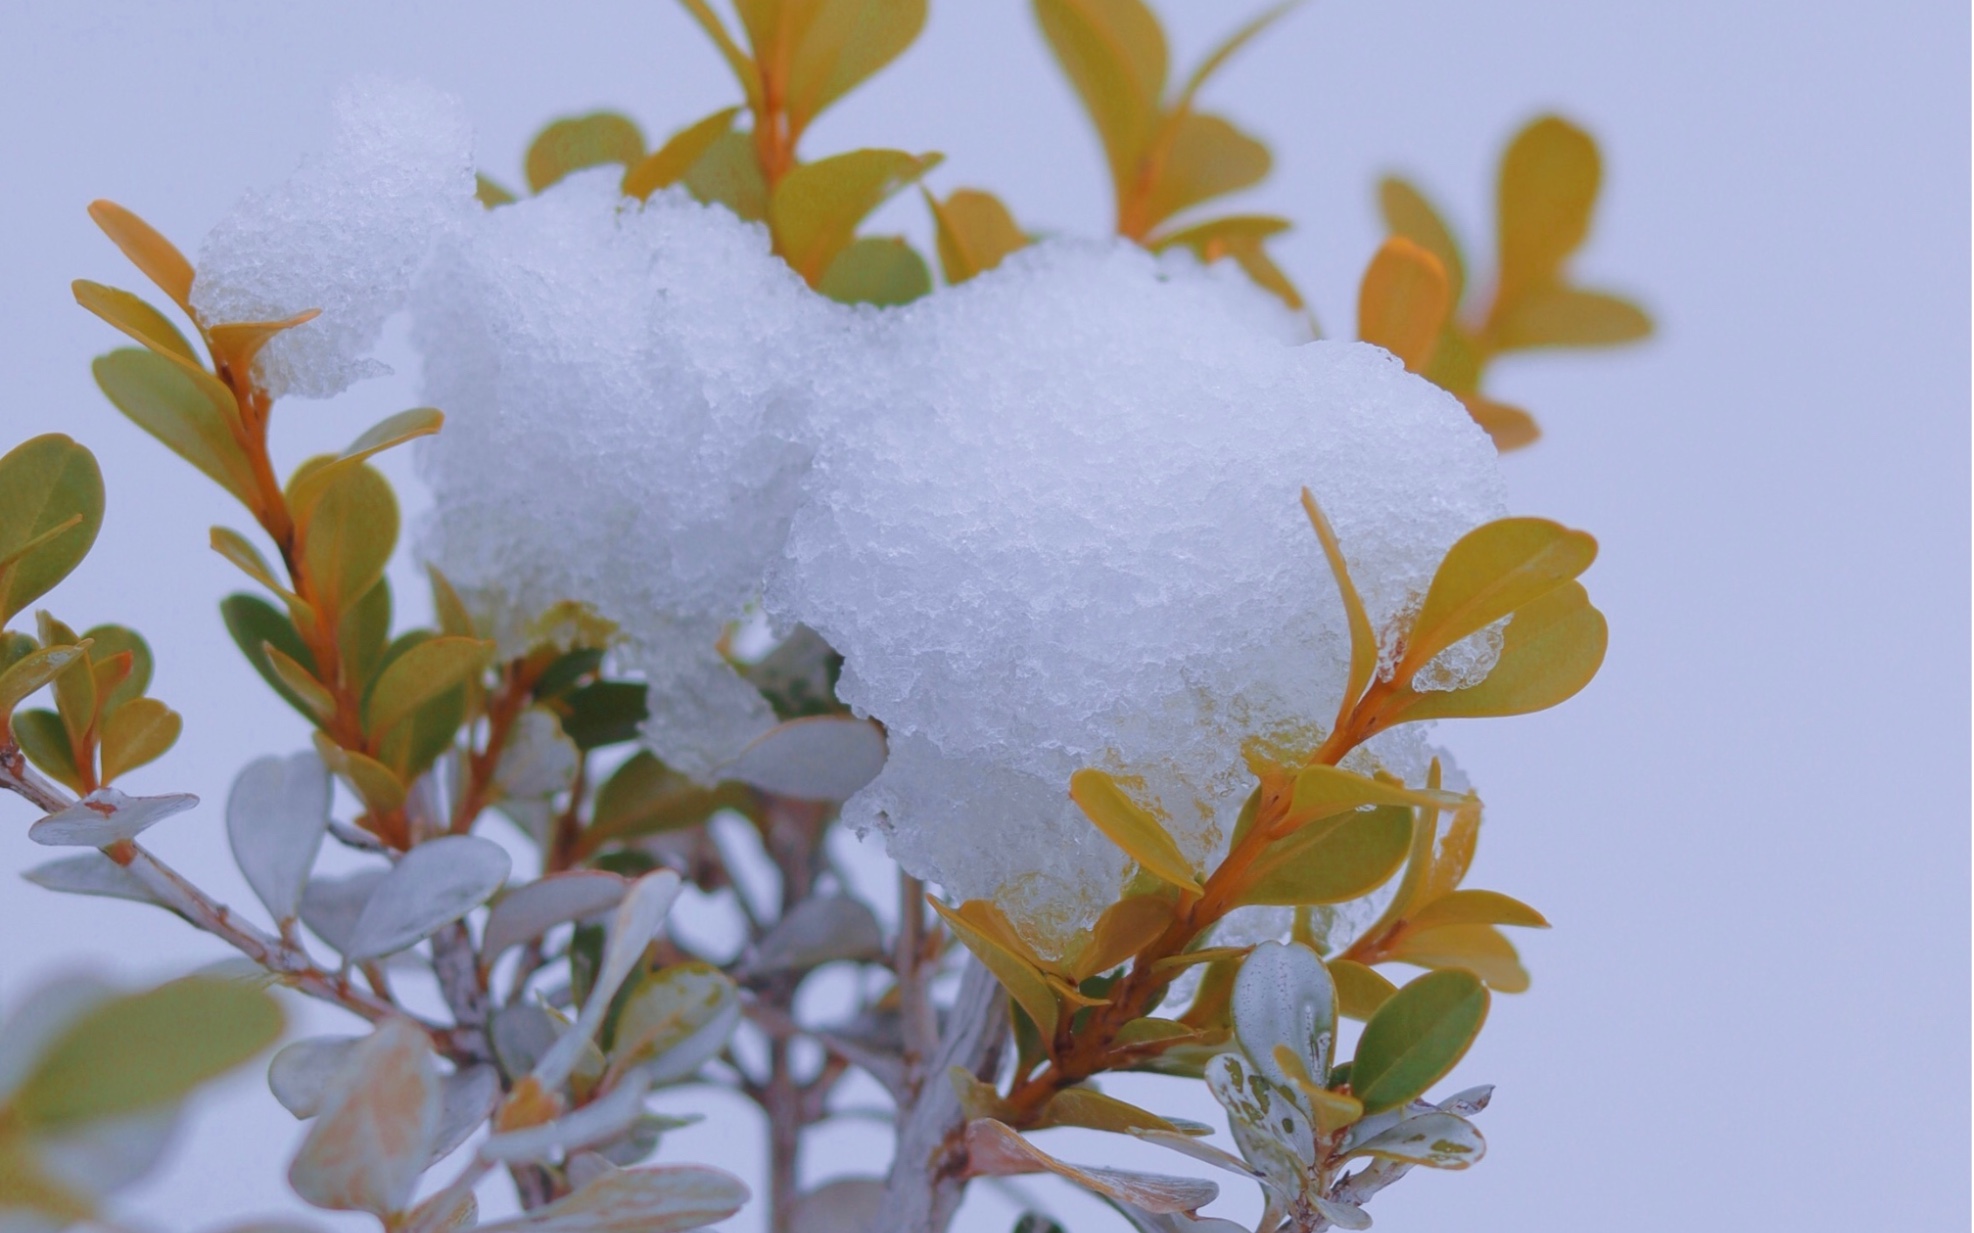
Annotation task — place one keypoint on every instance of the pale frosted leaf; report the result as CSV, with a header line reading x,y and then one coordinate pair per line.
x,y
1283,997
435,883
529,911
818,931
1269,1128
1188,1145
300,1074
372,1137
538,760
1342,1215
91,873
330,906
466,1098
521,1034
821,758
275,819
1437,1140
993,1150
664,1199
632,927
107,816
597,1122
675,1021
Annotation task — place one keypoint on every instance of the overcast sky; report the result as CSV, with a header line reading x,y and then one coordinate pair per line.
x,y
1751,832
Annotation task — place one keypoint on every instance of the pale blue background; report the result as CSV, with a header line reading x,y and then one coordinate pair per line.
x,y
1751,832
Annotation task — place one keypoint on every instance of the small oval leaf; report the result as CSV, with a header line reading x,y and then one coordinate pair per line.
x,y
1417,1036
434,884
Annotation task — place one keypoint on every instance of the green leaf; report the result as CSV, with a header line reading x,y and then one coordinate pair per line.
x,y
378,785
1092,1110
411,747
363,636
254,624
1548,187
75,688
728,174
1417,1036
136,318
1403,302
1361,989
1476,907
1113,53
1554,316
1204,157
140,731
842,43
669,163
146,1050
1131,827
51,506
604,713
818,206
646,797
572,144
1407,213
420,674
448,607
309,483
881,270
348,537
115,640
1332,860
149,251
32,671
45,741
191,415
975,233
1022,979
1490,572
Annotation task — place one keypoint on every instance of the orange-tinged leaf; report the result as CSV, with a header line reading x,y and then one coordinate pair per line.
x,y
1113,53
309,483
370,1142
1449,862
1199,157
137,732
1476,907
815,210
1553,316
1322,791
986,916
1228,48
1407,213
1363,639
1489,573
839,44
378,786
134,317
1022,979
1550,650
300,682
742,65
577,142
1360,988
1481,949
149,251
1548,187
975,233
668,164
236,344
1511,427
1403,302
1131,827
1124,929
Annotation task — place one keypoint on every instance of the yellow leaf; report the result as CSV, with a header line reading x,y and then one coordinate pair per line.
x,y
986,916
300,682
305,487
1131,827
1403,302
348,536
1124,929
380,789
420,674
31,672
729,174
490,193
234,547
449,608
1149,1031
737,60
1549,180
572,144
1363,639
1023,981
1345,859
1476,907
1193,958
1239,237
148,251
838,44
977,1099
1480,949
1407,213
1322,791
1113,53
1333,1110
815,210
1550,650
975,233
1360,988
1554,316
137,319
668,164
1199,157
137,732
1449,864
193,414
1092,1110
881,270
51,507
1491,571
1511,427
1232,44
236,344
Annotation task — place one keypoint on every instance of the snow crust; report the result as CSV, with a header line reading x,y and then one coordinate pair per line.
x,y
1049,517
